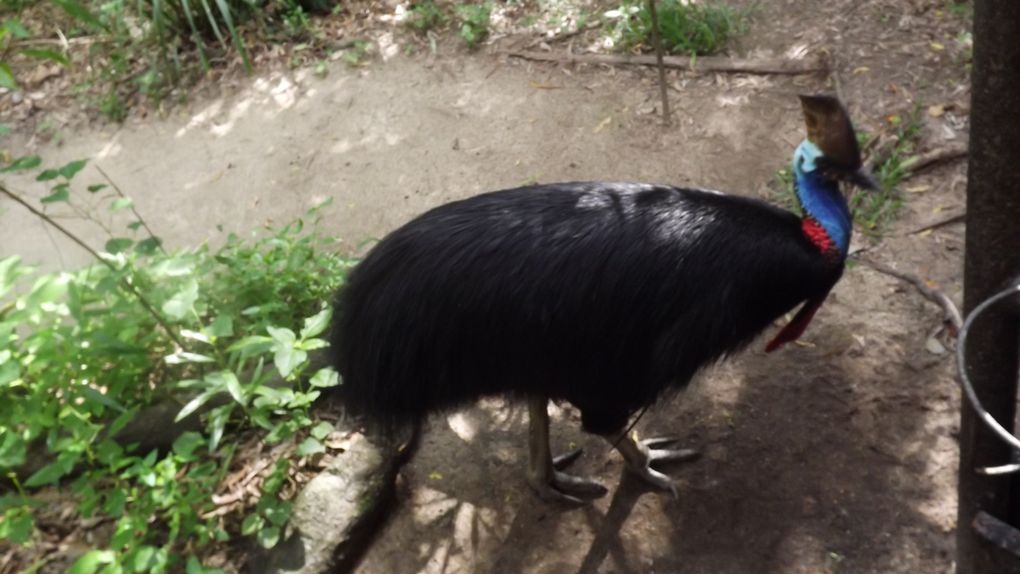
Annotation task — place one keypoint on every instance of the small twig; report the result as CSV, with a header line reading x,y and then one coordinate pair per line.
x,y
127,285
141,219
951,312
703,64
958,218
657,41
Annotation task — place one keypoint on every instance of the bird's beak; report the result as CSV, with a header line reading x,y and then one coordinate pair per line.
x,y
864,179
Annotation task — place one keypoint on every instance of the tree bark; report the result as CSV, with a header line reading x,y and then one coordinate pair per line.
x,y
993,242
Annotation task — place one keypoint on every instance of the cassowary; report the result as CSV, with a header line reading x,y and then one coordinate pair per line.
x,y
604,295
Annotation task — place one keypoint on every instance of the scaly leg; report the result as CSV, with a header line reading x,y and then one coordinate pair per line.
x,y
640,454
543,475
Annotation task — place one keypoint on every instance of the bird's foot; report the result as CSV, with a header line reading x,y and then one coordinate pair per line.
x,y
640,454
552,485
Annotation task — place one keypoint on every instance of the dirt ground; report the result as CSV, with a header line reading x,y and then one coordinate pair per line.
x,y
835,455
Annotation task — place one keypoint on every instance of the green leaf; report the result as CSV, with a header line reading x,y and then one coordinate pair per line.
x,y
282,335
251,346
4,130
118,245
12,451
48,474
9,372
316,324
234,387
22,163
61,192
287,359
194,404
80,13
145,559
7,77
325,377
115,502
134,225
238,41
70,169
321,430
183,302
121,203
251,523
186,357
222,326
91,561
148,246
268,536
195,335
47,175
47,289
17,525
96,187
186,444
309,446
16,29
101,398
50,55
10,269
218,423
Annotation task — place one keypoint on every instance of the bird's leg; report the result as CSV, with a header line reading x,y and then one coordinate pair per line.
x,y
543,476
640,454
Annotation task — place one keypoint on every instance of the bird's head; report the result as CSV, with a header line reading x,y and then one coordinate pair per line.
x,y
830,150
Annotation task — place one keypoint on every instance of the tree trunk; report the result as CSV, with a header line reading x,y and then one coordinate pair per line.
x,y
992,262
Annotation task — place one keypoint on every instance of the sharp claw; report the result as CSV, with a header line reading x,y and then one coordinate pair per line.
x,y
550,494
566,459
583,487
660,441
669,455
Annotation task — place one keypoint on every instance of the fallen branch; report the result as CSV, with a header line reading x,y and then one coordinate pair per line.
x,y
951,314
934,157
958,218
702,64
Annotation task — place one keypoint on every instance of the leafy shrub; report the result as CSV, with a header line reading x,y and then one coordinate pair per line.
x,y
686,27
83,352
474,22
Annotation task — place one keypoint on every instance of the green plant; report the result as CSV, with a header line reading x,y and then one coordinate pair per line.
x,y
227,332
355,55
425,16
874,209
686,27
474,22
11,31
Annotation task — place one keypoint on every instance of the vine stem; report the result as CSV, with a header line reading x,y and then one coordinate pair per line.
x,y
124,282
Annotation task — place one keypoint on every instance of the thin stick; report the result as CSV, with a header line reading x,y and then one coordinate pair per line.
x,y
657,40
124,282
703,64
958,218
951,312
141,220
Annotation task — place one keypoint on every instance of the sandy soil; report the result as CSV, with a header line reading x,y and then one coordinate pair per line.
x,y
837,455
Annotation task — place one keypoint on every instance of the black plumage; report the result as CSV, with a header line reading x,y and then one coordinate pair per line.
x,y
602,294
605,295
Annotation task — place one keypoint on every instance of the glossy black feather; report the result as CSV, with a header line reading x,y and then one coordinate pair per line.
x,y
605,295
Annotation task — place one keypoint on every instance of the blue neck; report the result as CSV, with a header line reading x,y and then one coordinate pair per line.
x,y
820,197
